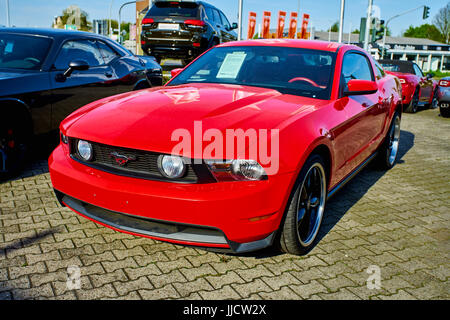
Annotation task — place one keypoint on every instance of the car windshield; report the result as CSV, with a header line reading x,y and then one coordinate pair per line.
x,y
174,9
294,71
22,51
397,67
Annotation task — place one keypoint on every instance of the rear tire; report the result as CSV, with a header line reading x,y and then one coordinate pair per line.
x,y
412,107
303,218
445,112
387,153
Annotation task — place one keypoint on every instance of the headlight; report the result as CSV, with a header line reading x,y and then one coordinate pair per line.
x,y
84,149
172,167
231,170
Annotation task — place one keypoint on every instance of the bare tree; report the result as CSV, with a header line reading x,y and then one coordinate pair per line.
x,y
442,22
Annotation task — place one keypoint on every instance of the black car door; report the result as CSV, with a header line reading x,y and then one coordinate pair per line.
x,y
81,87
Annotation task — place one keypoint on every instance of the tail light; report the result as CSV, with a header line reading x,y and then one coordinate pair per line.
x,y
197,23
147,21
444,83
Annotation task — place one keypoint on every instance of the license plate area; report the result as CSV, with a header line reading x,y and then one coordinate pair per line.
x,y
168,26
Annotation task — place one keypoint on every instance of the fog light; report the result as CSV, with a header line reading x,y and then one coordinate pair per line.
x,y
84,149
172,167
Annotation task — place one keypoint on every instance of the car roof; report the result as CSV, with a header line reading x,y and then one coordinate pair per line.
x,y
49,32
399,62
292,43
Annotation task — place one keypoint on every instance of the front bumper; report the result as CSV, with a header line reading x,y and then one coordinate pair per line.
x,y
237,216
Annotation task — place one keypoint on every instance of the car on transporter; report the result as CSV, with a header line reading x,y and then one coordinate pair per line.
x,y
46,74
184,29
418,90
167,163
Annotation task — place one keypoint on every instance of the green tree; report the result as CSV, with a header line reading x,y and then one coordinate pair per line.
x,y
426,31
123,26
442,22
334,27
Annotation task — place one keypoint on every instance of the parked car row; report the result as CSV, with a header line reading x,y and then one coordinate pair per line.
x,y
47,74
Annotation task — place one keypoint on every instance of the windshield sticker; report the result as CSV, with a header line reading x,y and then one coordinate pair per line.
x,y
231,65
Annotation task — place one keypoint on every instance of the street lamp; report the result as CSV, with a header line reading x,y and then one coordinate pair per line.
x,y
8,24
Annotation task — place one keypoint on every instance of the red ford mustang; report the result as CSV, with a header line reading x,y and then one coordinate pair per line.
x,y
239,151
417,89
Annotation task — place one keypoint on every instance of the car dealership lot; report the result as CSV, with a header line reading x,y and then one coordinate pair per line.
x,y
396,220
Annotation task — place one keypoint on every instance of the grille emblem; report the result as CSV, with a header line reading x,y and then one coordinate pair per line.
x,y
120,159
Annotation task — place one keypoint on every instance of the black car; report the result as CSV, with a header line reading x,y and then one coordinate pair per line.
x,y
183,30
46,74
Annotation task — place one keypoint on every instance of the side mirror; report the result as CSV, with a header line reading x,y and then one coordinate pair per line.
x,y
80,65
360,87
175,72
234,26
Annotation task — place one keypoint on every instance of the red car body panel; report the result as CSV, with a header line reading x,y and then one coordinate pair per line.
x,y
411,82
349,128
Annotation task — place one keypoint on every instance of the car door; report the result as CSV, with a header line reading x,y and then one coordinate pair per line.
x,y
364,113
218,26
81,87
426,85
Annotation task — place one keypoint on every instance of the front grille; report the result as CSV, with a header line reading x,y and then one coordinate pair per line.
x,y
144,165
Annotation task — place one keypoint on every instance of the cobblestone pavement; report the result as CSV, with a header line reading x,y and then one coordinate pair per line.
x,y
396,220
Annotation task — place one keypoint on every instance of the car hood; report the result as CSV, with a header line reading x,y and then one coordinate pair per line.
x,y
147,119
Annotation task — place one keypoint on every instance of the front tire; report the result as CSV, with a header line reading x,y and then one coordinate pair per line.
x,y
305,210
387,154
413,105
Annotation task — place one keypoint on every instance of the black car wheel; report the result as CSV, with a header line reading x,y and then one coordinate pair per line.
x,y
445,112
435,102
387,153
13,147
412,107
305,209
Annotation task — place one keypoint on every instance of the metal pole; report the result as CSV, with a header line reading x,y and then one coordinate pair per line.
x,y
341,21
389,20
8,23
368,23
110,17
240,20
298,18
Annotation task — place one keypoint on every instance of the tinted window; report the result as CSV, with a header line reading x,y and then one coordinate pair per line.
x,y
379,71
108,53
174,9
225,22
356,66
417,71
209,13
294,71
23,52
217,16
78,50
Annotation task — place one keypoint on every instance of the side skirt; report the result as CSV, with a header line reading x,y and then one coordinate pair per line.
x,y
333,191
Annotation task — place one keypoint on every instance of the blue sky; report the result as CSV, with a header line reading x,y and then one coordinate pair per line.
x,y
39,13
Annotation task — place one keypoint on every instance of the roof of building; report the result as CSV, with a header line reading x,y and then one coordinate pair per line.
x,y
354,38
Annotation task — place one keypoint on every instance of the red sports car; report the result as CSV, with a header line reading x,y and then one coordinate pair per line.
x,y
240,150
418,90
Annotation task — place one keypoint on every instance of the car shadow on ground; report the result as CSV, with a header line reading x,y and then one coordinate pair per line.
x,y
345,198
